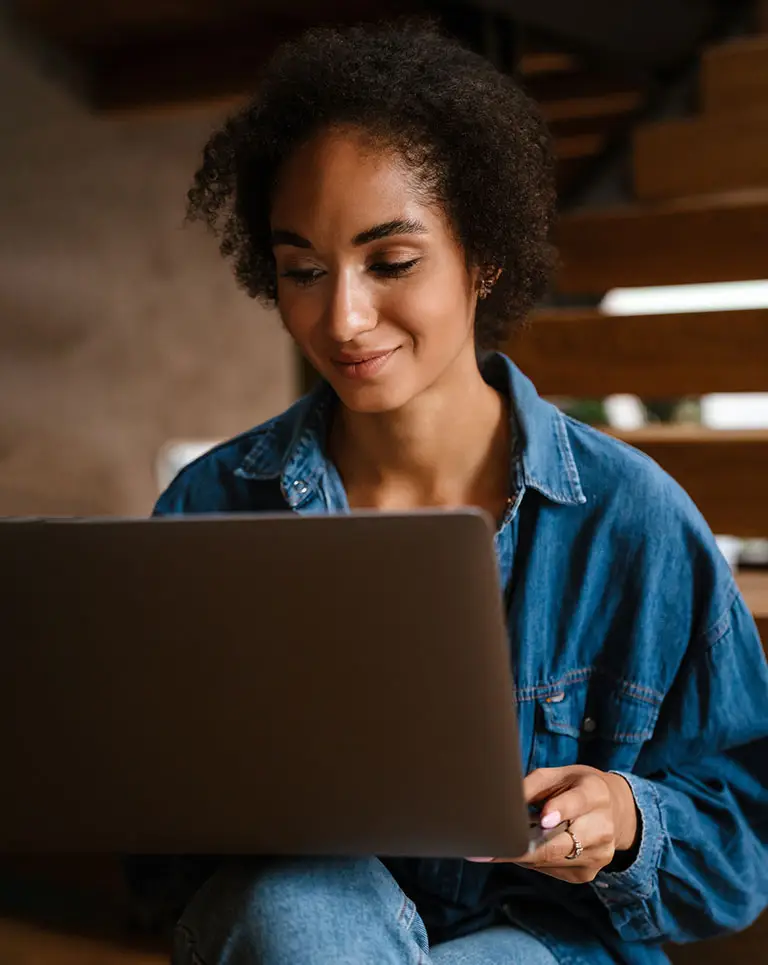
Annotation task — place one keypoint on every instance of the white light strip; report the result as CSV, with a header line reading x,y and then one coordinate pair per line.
x,y
174,456
673,299
624,412
737,410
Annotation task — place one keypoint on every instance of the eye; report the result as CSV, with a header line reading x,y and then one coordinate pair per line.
x,y
394,269
302,276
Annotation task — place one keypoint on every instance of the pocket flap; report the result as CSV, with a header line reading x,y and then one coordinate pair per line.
x,y
586,710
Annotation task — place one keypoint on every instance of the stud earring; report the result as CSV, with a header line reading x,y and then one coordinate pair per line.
x,y
485,287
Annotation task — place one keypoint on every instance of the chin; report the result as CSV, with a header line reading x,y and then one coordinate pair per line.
x,y
371,399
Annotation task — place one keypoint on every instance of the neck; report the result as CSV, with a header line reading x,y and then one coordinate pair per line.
x,y
447,447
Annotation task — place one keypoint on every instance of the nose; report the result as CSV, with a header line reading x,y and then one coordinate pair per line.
x,y
350,311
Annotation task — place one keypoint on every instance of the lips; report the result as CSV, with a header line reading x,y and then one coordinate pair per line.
x,y
363,366
359,359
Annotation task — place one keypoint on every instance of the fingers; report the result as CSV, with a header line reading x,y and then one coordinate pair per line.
x,y
580,795
550,852
552,857
546,781
589,794
596,840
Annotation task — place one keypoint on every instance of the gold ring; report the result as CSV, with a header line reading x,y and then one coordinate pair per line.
x,y
577,849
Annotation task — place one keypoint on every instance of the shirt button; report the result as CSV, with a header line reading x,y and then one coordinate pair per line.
x,y
300,487
589,725
602,884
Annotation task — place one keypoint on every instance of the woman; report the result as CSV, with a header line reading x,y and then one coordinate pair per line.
x,y
392,194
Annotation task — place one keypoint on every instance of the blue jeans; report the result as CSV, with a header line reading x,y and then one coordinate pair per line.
x,y
345,911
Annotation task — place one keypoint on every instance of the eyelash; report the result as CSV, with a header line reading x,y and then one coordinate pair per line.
x,y
393,269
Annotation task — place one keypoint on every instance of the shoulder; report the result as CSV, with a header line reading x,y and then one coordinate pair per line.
x,y
618,478
218,480
659,545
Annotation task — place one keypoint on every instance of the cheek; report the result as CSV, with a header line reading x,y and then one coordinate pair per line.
x,y
430,308
300,314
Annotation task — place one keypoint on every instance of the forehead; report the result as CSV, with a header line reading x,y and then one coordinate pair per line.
x,y
341,183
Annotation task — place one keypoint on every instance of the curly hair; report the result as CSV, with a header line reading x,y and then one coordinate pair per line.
x,y
476,142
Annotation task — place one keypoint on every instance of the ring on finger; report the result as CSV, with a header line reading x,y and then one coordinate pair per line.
x,y
578,847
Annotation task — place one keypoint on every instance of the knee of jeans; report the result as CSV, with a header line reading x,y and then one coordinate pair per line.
x,y
267,911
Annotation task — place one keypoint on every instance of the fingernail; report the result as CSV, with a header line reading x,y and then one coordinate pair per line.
x,y
480,859
551,820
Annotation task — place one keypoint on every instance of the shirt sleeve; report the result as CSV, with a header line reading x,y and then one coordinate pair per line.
x,y
701,868
204,486
172,502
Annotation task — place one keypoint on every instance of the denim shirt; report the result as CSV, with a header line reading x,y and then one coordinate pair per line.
x,y
632,651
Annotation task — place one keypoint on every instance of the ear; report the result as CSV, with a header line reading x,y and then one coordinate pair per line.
x,y
476,273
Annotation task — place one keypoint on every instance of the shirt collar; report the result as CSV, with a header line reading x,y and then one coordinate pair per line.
x,y
546,457
291,447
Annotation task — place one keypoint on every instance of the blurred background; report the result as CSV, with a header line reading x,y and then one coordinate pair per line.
x,y
126,349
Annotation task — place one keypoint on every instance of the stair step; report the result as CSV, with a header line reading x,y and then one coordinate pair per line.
x,y
735,75
711,153
754,587
719,237
587,354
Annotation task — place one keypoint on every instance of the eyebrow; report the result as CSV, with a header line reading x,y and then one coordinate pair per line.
x,y
399,226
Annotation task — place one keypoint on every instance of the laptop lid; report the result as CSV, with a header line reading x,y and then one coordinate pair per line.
x,y
258,684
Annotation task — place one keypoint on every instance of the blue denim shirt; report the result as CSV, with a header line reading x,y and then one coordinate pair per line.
x,y
632,651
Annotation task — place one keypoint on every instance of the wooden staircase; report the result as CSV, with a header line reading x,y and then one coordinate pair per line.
x,y
700,215
702,190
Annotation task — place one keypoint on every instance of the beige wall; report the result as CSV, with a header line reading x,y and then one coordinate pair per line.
x,y
120,328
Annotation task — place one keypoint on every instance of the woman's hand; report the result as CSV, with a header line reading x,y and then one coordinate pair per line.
x,y
602,814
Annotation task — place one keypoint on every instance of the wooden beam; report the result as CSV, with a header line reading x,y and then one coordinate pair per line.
x,y
149,55
708,154
724,472
590,355
158,74
706,239
735,75
90,20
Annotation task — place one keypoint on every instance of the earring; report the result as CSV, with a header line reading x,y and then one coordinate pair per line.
x,y
486,285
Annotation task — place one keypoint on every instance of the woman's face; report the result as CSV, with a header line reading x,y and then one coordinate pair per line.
x,y
372,285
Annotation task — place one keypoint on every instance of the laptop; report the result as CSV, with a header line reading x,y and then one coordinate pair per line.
x,y
258,684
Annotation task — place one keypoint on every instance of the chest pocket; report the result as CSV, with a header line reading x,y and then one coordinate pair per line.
x,y
591,723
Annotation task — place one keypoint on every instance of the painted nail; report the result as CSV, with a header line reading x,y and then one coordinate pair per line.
x,y
480,859
551,820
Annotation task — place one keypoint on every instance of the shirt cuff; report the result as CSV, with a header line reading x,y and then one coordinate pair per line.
x,y
639,880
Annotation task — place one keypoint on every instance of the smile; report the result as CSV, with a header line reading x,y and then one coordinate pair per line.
x,y
363,367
